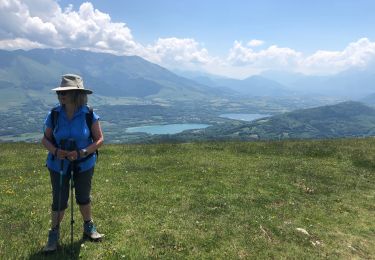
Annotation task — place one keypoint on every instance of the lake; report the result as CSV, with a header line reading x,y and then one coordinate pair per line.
x,y
244,117
165,129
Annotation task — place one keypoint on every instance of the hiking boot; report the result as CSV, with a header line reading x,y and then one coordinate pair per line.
x,y
53,241
89,231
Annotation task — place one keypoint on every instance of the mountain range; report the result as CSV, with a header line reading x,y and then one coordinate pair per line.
x,y
27,77
32,73
36,71
352,84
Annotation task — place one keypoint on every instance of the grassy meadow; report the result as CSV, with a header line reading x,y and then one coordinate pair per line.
x,y
211,200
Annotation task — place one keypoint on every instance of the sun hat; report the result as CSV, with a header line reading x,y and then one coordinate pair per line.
x,y
72,82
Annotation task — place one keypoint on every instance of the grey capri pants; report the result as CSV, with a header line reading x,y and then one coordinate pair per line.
x,y
82,186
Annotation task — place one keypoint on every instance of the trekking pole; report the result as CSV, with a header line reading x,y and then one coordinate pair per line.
x,y
72,146
62,144
71,211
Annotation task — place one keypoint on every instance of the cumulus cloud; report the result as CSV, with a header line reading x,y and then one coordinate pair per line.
x,y
27,24
43,22
255,43
174,52
19,43
356,54
44,9
273,56
17,23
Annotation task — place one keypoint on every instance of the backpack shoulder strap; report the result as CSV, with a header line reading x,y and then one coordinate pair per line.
x,y
90,119
54,117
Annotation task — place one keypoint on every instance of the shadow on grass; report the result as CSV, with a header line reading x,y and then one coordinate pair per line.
x,y
363,163
363,160
63,252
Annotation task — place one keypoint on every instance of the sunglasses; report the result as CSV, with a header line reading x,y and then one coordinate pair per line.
x,y
61,93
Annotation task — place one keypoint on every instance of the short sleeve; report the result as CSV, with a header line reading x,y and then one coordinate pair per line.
x,y
48,121
95,117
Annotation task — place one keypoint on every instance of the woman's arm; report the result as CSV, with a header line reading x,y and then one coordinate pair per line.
x,y
61,154
46,141
97,136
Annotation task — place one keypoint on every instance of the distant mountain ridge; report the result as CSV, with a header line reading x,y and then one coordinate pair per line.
x,y
256,86
252,86
369,100
26,79
106,74
131,76
352,84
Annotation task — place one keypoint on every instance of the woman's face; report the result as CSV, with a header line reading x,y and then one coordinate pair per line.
x,y
65,97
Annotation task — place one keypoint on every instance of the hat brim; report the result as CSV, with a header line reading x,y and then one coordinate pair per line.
x,y
87,91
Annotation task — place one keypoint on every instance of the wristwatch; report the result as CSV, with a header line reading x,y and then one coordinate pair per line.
x,y
85,153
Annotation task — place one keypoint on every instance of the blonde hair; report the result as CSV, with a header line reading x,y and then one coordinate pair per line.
x,y
79,98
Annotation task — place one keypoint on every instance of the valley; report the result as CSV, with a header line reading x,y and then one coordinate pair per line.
x,y
25,122
131,92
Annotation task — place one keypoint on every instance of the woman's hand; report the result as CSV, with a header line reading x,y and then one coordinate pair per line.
x,y
72,156
61,154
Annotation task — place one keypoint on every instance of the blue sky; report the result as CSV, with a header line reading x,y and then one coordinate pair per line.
x,y
235,38
304,25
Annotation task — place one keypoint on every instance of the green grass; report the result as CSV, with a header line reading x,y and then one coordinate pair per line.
x,y
227,200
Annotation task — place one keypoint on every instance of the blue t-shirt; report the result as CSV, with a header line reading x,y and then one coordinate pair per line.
x,y
76,129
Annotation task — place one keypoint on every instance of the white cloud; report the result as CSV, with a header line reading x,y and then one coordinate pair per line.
x,y
19,43
175,52
273,56
17,22
27,24
45,23
44,9
356,54
255,43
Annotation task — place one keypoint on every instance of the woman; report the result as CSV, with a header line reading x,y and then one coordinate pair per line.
x,y
65,124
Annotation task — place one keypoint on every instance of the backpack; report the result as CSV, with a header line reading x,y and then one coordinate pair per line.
x,y
89,121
